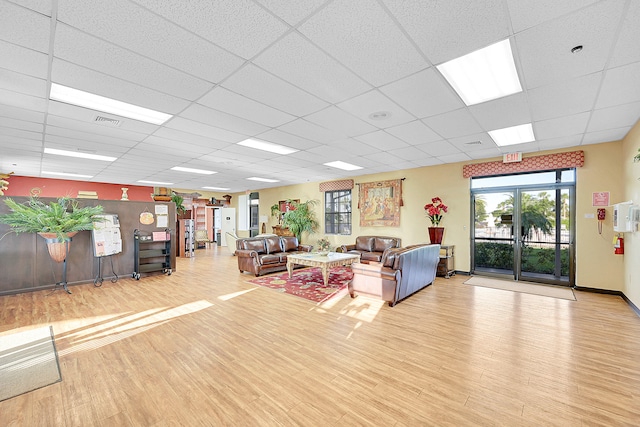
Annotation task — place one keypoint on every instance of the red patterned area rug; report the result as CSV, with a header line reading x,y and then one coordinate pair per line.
x,y
307,283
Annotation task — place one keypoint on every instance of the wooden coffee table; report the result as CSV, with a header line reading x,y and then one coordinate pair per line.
x,y
325,262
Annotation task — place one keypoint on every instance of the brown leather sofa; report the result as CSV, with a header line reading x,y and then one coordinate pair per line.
x,y
401,272
371,248
263,255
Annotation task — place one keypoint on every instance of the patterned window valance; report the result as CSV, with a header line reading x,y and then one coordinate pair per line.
x,y
343,184
573,159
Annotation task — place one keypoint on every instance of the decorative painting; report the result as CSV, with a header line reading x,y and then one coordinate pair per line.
x,y
379,203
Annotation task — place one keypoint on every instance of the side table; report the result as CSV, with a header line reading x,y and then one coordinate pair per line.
x,y
446,267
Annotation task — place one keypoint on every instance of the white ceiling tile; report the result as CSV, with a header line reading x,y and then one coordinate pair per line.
x,y
299,62
454,158
11,80
194,150
221,22
447,29
382,140
415,132
485,153
23,60
21,125
384,158
311,131
423,94
222,99
562,126
503,112
439,148
364,38
132,27
351,146
201,129
620,86
287,139
562,142
524,16
410,153
22,101
292,12
627,48
261,86
87,119
20,144
190,138
71,75
364,105
605,135
453,124
24,27
10,132
614,117
432,161
475,142
222,120
545,50
336,119
21,113
82,49
564,98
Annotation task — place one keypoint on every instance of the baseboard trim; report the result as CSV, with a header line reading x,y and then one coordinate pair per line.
x,y
610,292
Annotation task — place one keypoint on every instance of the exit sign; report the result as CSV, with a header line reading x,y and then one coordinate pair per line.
x,y
512,157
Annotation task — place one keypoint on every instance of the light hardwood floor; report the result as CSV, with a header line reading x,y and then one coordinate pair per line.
x,y
203,347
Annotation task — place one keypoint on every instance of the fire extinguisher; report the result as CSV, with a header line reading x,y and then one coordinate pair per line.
x,y
619,245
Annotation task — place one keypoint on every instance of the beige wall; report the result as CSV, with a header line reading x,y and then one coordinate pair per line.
x,y
631,176
597,266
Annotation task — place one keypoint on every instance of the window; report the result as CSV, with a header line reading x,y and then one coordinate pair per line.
x,y
337,212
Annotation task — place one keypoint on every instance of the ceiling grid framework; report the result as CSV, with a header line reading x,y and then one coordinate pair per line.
x,y
333,79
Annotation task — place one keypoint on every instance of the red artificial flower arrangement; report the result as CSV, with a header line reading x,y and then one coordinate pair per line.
x,y
435,209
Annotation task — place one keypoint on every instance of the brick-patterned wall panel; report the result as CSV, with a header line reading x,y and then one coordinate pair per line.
x,y
571,159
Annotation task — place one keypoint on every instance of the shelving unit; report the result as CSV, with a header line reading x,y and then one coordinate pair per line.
x,y
446,267
152,252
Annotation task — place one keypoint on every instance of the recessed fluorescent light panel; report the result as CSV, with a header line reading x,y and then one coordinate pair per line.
x,y
255,178
200,171
217,188
483,75
266,146
156,182
343,165
79,154
75,175
107,105
513,135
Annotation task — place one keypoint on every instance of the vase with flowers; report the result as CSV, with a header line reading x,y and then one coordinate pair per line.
x,y
434,211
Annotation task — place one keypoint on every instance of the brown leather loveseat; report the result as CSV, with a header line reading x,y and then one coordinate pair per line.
x,y
262,255
401,272
371,248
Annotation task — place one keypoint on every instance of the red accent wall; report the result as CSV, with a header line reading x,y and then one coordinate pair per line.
x,y
22,185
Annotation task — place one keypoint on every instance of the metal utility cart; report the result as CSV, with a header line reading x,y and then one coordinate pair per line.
x,y
152,252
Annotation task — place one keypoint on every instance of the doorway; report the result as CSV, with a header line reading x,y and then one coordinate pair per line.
x,y
523,226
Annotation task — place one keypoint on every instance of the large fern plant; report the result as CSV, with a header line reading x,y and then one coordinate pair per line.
x,y
60,217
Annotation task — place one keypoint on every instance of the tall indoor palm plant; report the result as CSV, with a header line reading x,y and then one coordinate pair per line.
x,y
301,218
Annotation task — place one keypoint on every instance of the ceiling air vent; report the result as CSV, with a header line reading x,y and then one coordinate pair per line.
x,y
107,121
473,143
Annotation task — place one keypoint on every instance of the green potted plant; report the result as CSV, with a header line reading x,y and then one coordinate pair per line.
x,y
301,218
56,221
179,201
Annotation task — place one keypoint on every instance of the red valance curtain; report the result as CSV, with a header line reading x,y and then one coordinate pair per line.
x,y
572,159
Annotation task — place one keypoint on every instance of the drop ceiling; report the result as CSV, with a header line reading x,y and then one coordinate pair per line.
x,y
311,75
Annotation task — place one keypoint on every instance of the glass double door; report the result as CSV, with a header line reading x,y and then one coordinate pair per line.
x,y
524,233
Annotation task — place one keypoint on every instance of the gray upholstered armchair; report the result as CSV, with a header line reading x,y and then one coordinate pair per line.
x,y
401,272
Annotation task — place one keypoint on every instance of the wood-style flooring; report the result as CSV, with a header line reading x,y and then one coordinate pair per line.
x,y
203,347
